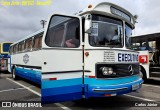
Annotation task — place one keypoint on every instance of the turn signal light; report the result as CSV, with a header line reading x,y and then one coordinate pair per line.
x,y
89,6
143,58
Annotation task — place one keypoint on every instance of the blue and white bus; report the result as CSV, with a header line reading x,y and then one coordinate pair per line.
x,y
4,57
82,56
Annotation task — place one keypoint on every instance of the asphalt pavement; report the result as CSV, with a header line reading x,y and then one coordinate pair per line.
x,y
147,98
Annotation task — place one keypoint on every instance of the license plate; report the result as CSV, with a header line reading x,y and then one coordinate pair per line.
x,y
135,87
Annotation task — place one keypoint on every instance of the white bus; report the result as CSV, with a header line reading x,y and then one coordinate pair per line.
x,y
82,56
149,55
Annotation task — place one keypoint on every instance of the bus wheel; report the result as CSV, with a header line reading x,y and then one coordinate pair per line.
x,y
143,74
14,76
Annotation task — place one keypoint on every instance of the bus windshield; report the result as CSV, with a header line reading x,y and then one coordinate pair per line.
x,y
6,47
106,32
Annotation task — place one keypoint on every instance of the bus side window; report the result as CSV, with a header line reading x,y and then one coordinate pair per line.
x,y
72,38
56,31
35,43
28,44
40,42
16,48
11,50
19,47
22,46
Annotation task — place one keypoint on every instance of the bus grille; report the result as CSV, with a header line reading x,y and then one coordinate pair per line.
x,y
119,70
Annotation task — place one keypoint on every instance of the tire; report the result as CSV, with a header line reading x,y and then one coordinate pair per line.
x,y
14,76
143,74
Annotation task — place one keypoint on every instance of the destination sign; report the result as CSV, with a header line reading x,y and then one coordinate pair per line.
x,y
120,13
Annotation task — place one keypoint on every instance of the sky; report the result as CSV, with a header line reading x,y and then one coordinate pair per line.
x,y
16,22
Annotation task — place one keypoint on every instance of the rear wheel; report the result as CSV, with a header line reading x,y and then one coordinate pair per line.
x,y
14,76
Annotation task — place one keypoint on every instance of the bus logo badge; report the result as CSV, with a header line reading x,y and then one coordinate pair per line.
x,y
130,68
25,58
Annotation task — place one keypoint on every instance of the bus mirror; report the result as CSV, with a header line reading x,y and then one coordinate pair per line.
x,y
88,23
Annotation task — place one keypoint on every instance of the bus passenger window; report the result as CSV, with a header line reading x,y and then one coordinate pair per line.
x,y
11,50
28,45
19,47
72,39
40,42
63,32
22,48
35,43
16,48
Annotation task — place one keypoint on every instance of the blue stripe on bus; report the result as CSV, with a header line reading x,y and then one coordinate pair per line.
x,y
60,83
61,97
61,90
32,75
115,81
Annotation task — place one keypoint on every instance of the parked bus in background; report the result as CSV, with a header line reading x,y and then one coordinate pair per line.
x,y
82,56
4,57
149,54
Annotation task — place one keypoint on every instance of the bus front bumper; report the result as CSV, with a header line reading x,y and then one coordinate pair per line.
x,y
113,90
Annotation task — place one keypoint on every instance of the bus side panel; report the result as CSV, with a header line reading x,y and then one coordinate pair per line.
x,y
61,75
61,90
30,67
32,75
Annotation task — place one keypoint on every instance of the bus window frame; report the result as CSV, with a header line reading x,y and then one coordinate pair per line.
x,y
64,36
29,40
39,39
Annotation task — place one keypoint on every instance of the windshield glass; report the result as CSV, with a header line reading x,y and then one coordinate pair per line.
x,y
106,32
128,33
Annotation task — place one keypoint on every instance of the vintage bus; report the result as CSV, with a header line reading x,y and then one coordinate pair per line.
x,y
4,57
149,55
83,55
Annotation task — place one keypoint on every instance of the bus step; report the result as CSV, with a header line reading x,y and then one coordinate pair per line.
x,y
155,78
155,74
155,67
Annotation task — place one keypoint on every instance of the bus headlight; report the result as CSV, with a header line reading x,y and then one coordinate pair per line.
x,y
107,70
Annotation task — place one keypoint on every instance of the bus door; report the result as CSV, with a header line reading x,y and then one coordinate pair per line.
x,y
62,71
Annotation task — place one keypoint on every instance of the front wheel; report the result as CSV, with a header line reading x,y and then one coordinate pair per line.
x,y
143,74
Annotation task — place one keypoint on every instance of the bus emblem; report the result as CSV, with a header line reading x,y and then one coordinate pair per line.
x,y
130,68
25,58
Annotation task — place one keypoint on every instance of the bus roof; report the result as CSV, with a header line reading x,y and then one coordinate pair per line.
x,y
147,37
105,8
29,36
